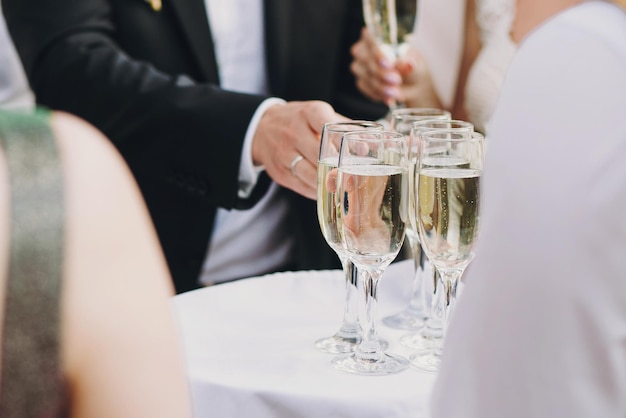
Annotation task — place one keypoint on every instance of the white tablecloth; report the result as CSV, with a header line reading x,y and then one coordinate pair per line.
x,y
250,351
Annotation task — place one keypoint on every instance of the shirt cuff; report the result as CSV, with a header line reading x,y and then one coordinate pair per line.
x,y
248,172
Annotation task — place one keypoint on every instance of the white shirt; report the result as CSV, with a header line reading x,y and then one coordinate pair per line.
x,y
14,90
254,241
540,329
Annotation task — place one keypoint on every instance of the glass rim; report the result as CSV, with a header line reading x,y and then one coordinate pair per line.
x,y
457,121
419,112
329,126
390,135
462,137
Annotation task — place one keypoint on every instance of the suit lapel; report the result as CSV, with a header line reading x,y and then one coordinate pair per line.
x,y
277,28
194,23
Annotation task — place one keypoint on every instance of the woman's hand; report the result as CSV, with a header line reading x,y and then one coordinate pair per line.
x,y
406,80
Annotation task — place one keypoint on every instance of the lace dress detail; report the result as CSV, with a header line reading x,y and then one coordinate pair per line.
x,y
494,18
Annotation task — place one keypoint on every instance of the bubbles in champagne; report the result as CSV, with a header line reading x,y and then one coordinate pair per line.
x,y
448,207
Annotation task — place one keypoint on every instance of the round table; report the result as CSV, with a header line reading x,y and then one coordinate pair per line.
x,y
250,352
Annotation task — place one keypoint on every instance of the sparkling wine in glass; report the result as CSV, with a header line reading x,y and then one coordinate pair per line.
x,y
448,215
349,334
391,23
413,315
426,277
373,194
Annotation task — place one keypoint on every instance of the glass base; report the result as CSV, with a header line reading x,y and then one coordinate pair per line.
x,y
386,364
427,361
419,341
337,344
407,319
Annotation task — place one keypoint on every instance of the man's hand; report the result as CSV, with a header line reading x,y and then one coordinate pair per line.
x,y
287,131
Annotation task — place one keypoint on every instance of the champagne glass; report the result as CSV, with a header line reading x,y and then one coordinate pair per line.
x,y
349,334
447,214
372,186
391,23
412,316
423,338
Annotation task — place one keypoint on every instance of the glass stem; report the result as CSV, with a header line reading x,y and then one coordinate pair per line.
x,y
417,302
350,327
370,349
436,313
449,281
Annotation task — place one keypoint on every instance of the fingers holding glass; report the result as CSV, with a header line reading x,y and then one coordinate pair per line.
x,y
391,24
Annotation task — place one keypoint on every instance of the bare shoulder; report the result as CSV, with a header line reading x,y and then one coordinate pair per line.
x,y
86,151
117,313
531,14
109,234
104,209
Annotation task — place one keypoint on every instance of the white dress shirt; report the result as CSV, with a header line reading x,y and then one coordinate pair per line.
x,y
540,329
251,242
14,90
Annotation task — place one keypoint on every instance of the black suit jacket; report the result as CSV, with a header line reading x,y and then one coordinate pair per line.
x,y
149,80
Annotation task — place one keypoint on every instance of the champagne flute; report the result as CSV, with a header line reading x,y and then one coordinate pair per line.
x,y
391,23
373,193
349,334
412,317
447,215
423,338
